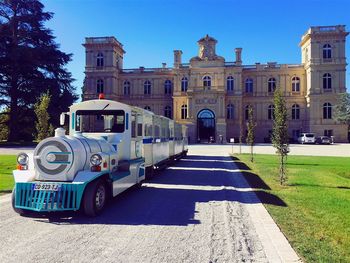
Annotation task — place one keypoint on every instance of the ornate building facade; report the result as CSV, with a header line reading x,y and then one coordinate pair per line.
x,y
211,96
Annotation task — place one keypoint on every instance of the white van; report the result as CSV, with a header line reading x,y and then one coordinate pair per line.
x,y
307,137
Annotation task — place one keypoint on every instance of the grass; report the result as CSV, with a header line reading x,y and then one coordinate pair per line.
x,y
7,165
316,218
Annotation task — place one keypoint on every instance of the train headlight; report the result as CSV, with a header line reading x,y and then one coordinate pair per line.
x,y
22,159
96,159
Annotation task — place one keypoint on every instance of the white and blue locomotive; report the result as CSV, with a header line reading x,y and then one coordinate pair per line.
x,y
111,146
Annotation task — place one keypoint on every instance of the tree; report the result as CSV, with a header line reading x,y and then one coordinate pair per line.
x,y
3,127
250,128
280,132
31,65
342,109
43,128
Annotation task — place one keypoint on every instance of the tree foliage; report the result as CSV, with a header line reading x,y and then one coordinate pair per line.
x,y
43,127
31,63
342,108
251,131
280,138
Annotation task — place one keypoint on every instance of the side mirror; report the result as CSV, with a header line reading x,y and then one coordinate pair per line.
x,y
63,118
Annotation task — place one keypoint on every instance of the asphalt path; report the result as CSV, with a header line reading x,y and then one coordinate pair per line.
x,y
198,210
338,149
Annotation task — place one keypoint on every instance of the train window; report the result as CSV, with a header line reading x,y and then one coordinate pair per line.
x,y
139,129
133,126
156,131
109,121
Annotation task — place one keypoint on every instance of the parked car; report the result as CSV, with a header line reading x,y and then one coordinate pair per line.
x,y
323,140
307,137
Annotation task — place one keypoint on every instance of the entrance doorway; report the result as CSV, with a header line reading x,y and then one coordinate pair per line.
x,y
206,126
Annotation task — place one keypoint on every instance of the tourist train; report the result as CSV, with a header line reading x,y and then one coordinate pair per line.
x,y
111,146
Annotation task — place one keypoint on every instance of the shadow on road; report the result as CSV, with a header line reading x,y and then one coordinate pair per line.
x,y
172,196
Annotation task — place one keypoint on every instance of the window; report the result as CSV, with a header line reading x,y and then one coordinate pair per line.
x,y
109,121
147,87
230,112
295,84
99,86
327,111
246,112
167,87
184,112
99,61
184,84
327,51
271,83
295,112
249,85
207,82
328,133
230,83
126,87
271,112
327,81
167,112
147,108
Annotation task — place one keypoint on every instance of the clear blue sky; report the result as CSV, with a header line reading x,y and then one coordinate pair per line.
x,y
267,30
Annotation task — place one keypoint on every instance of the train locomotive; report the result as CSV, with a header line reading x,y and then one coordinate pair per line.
x,y
111,147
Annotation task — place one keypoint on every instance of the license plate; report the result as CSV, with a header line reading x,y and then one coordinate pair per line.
x,y
46,187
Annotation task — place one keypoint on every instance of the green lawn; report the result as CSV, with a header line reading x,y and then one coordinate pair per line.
x,y
316,217
7,164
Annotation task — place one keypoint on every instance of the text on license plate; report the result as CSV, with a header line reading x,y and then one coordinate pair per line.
x,y
46,186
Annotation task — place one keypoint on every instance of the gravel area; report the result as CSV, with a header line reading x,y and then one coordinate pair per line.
x,y
199,210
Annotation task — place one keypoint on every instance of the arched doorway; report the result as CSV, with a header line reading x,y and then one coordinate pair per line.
x,y
205,126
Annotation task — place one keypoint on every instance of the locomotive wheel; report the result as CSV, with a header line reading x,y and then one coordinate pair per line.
x,y
19,211
95,198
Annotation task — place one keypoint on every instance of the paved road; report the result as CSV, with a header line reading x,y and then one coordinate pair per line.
x,y
199,210
295,149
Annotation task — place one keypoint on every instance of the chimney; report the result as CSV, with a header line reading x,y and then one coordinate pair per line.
x,y
238,52
177,58
163,65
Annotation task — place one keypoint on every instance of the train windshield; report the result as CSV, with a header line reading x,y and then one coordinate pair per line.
x,y
110,121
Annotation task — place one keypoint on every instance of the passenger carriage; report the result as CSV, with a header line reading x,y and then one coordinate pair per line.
x,y
111,146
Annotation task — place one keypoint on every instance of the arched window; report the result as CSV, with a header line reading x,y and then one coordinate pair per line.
x,y
147,87
184,111
295,84
99,61
167,87
207,82
327,81
246,112
295,112
230,111
249,85
327,111
167,112
271,83
327,51
184,84
271,112
126,87
99,86
230,83
147,108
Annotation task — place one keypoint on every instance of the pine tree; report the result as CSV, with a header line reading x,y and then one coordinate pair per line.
x,y
251,135
280,132
43,127
31,65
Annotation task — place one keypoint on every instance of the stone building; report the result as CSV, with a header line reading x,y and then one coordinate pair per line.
x,y
211,96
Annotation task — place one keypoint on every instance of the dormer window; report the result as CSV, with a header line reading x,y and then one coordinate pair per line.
x,y
327,51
